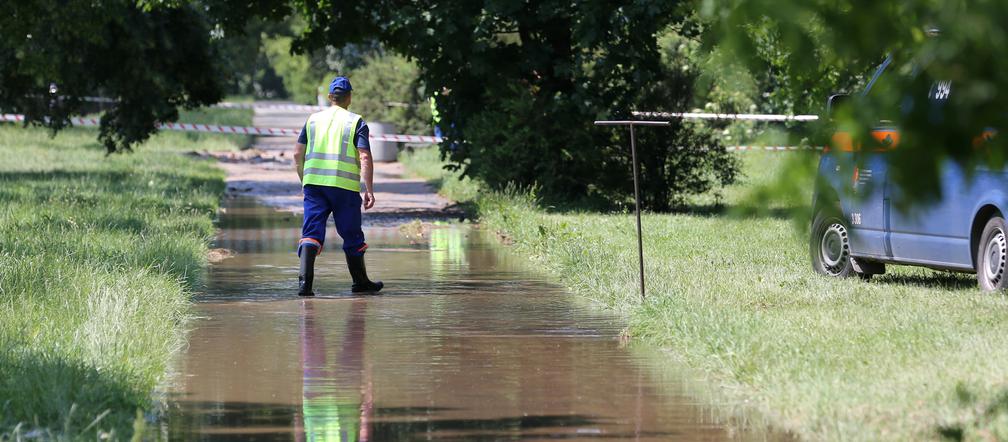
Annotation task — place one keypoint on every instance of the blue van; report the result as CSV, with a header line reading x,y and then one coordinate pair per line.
x,y
855,231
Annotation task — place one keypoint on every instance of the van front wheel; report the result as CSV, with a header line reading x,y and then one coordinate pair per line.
x,y
829,244
992,255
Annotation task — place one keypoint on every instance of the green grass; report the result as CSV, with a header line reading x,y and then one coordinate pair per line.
x,y
426,163
914,354
98,257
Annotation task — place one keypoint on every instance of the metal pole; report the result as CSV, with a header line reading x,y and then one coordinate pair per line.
x,y
636,194
636,197
636,185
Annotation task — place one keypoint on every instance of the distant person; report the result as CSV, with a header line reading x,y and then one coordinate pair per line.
x,y
331,155
435,117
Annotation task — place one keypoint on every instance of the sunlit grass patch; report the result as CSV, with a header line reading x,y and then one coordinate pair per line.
x,y
426,163
735,299
98,255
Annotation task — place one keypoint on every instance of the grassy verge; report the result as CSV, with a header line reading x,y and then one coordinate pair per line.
x,y
98,255
915,354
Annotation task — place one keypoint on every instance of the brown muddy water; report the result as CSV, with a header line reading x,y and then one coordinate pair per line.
x,y
466,343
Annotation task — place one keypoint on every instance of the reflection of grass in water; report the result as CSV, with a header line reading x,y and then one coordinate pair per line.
x,y
735,298
97,255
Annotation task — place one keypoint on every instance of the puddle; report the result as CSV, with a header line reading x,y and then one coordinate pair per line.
x,y
465,344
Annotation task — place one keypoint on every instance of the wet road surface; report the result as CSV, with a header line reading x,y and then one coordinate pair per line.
x,y
465,344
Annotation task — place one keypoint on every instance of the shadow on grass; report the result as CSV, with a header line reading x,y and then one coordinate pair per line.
x,y
698,210
62,398
935,280
181,185
108,217
990,424
167,191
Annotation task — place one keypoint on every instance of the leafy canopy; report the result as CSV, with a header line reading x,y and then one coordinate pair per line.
x,y
518,85
945,85
152,57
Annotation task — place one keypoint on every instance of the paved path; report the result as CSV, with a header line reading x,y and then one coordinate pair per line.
x,y
266,172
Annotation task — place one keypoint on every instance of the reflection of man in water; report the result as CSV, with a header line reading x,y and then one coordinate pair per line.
x,y
336,391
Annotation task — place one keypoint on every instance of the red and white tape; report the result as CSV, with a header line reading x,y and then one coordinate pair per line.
x,y
770,148
231,105
239,130
395,138
644,114
287,107
717,116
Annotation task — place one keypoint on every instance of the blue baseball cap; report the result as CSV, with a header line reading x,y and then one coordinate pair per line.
x,y
339,86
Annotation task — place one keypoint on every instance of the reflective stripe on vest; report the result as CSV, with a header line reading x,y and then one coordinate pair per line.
x,y
331,158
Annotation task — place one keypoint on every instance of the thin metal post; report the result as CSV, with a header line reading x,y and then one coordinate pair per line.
x,y
636,185
636,194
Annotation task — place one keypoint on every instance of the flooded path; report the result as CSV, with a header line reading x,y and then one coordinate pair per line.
x,y
466,344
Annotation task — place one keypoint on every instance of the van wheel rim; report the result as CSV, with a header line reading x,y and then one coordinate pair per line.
x,y
834,249
995,253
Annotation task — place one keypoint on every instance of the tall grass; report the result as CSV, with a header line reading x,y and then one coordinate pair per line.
x,y
914,354
98,256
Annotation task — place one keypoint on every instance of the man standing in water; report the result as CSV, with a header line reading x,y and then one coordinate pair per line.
x,y
331,156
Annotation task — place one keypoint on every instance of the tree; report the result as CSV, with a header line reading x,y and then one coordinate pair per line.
x,y
518,85
151,57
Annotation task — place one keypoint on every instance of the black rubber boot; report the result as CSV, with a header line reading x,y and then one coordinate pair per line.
x,y
306,275
361,283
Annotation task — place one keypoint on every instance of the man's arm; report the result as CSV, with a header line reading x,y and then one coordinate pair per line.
x,y
367,173
363,142
299,152
299,159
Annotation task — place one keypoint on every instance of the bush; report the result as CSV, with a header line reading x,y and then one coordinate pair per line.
x,y
530,141
299,79
386,89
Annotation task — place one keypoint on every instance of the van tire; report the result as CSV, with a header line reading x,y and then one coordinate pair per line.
x,y
992,255
829,246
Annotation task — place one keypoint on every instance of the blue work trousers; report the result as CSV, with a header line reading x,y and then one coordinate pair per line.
x,y
345,207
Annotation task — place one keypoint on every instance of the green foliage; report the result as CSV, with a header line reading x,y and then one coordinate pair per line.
x,y
819,47
246,66
300,81
152,59
98,256
519,86
387,89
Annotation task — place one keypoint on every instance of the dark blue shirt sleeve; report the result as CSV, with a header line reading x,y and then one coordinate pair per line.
x,y
363,136
303,138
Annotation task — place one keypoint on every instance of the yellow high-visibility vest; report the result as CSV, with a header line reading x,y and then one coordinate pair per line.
x,y
331,156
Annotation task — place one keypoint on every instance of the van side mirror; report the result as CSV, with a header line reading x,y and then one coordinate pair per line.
x,y
834,102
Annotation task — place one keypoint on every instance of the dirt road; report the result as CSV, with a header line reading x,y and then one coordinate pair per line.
x,y
266,172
